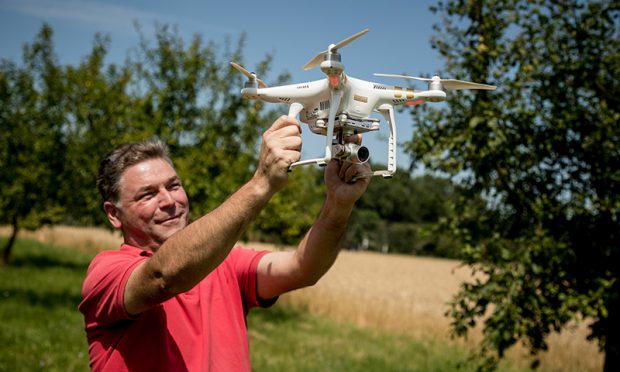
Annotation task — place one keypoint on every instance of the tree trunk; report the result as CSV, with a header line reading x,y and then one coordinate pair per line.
x,y
612,336
6,257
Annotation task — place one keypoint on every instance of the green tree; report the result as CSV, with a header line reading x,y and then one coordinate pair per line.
x,y
54,118
32,107
99,111
402,215
543,151
58,121
291,212
188,95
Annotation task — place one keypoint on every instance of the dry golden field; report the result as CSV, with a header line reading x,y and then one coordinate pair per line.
x,y
401,294
409,295
89,239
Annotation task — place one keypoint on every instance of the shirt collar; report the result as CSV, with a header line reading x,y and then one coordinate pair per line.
x,y
136,250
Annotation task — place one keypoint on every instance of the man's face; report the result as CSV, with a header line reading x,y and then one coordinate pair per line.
x,y
152,204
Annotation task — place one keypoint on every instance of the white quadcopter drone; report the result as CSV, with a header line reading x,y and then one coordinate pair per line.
x,y
340,106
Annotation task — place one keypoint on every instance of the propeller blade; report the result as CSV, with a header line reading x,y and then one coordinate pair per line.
x,y
251,76
404,77
316,61
460,84
261,84
347,40
240,68
452,84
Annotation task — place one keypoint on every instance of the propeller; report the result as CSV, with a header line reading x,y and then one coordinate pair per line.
x,y
333,48
446,83
250,75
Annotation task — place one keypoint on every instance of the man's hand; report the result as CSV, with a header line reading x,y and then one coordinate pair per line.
x,y
346,181
281,146
280,272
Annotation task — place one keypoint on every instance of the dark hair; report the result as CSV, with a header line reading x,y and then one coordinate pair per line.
x,y
124,156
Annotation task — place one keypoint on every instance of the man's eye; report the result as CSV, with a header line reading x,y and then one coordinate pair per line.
x,y
146,196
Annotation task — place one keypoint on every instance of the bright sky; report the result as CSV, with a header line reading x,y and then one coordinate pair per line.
x,y
398,41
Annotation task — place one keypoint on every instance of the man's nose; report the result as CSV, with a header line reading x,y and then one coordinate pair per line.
x,y
165,199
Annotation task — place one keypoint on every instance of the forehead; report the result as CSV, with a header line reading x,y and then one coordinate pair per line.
x,y
150,172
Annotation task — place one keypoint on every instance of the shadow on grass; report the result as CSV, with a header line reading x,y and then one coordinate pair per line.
x,y
43,261
278,314
34,254
48,300
42,275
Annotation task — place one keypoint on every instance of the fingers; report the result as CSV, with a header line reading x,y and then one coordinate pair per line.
x,y
346,182
284,122
281,146
284,128
351,172
283,143
284,134
355,138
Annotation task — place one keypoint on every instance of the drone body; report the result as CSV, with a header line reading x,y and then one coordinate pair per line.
x,y
340,105
359,100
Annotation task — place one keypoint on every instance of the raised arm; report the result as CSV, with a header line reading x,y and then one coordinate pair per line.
x,y
189,255
280,272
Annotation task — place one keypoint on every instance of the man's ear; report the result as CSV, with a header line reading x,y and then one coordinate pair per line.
x,y
112,212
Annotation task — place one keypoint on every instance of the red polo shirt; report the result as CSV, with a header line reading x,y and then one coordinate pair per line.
x,y
203,329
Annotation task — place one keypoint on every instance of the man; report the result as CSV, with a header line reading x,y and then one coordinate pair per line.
x,y
175,296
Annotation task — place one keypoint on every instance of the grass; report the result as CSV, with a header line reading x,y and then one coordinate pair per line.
x,y
41,327
288,339
39,293
408,295
370,313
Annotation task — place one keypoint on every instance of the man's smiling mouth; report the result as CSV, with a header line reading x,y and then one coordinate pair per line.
x,y
170,219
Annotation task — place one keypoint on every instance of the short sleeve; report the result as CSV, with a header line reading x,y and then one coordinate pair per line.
x,y
245,263
104,287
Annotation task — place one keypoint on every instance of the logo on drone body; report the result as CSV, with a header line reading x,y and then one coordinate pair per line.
x,y
359,98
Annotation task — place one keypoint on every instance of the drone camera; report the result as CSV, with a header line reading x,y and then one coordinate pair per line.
x,y
363,154
351,152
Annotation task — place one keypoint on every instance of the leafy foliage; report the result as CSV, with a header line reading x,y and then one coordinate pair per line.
x,y
61,119
32,102
544,152
58,121
402,215
292,211
96,119
189,97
